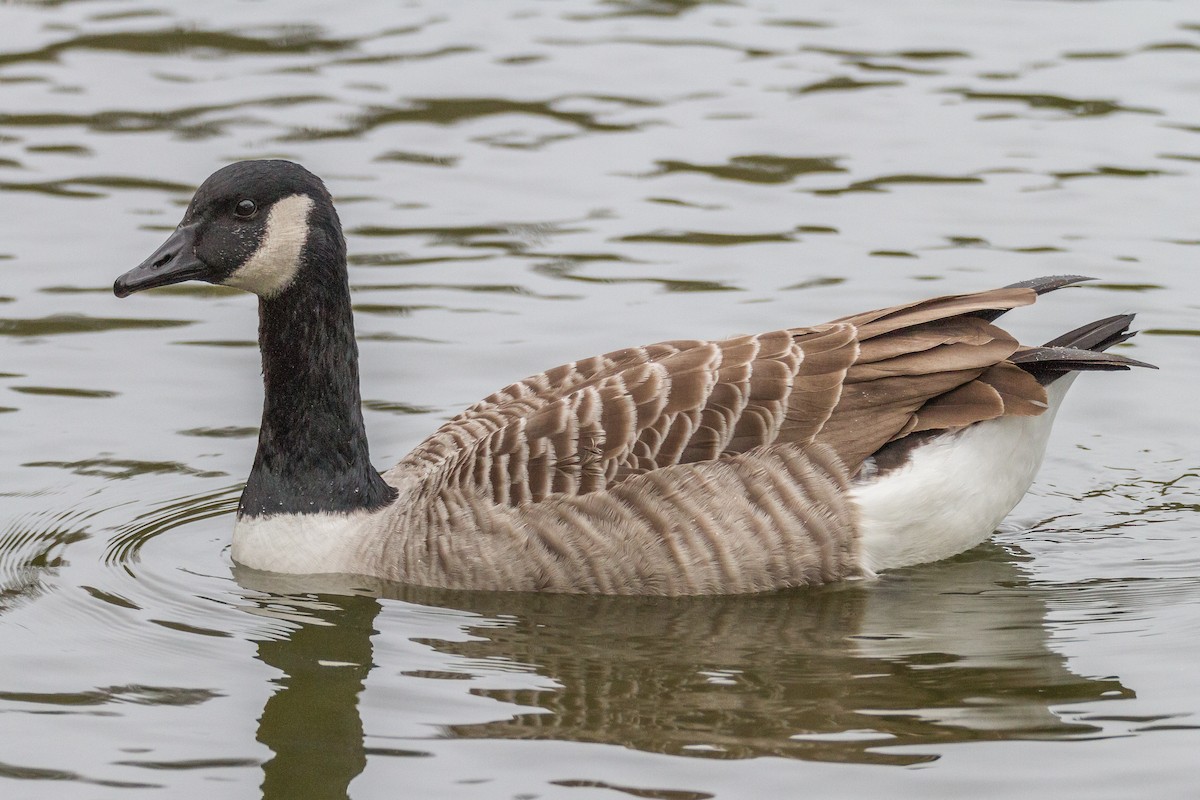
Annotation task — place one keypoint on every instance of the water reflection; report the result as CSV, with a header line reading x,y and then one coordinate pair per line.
x,y
951,653
312,723
31,549
886,672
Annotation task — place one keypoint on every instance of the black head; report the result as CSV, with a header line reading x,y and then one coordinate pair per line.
x,y
247,226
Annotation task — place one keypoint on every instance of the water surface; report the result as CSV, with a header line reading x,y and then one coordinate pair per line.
x,y
524,183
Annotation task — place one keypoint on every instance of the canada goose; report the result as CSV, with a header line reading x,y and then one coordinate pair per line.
x,y
787,458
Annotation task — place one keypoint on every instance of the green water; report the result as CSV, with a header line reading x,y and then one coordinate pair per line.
x,y
525,183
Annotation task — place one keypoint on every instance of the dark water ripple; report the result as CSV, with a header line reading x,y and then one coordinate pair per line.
x,y
25,773
526,183
176,41
56,324
757,168
32,548
124,548
187,121
1073,106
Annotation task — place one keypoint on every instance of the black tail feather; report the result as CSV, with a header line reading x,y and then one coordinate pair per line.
x,y
1066,359
1080,349
1099,335
1047,283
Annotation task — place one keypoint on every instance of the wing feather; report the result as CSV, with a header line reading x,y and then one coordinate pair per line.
x,y
852,385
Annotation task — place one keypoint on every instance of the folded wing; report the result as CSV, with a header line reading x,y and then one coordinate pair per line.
x,y
853,385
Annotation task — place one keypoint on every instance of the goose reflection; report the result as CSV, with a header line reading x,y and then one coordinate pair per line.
x,y
882,672
311,723
947,653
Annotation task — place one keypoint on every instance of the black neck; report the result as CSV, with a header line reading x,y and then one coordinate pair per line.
x,y
312,446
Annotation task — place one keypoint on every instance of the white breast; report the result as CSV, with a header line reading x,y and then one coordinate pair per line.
x,y
954,490
309,543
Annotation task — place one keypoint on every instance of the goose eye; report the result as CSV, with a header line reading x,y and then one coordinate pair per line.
x,y
245,209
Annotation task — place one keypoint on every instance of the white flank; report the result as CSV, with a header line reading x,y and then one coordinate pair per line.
x,y
954,490
274,264
306,544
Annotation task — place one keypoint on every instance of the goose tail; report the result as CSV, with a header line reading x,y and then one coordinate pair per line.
x,y
949,490
1081,349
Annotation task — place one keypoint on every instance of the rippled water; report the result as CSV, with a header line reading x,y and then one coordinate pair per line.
x,y
524,183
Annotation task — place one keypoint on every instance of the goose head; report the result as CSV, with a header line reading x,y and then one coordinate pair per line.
x,y
250,226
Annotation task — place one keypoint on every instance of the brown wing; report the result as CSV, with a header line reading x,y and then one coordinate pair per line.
x,y
588,425
853,384
934,364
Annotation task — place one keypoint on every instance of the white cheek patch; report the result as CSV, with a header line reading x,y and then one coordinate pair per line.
x,y
274,265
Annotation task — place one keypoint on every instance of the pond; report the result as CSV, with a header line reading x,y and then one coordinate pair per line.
x,y
524,183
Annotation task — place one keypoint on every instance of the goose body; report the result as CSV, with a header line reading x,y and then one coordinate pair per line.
x,y
787,458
